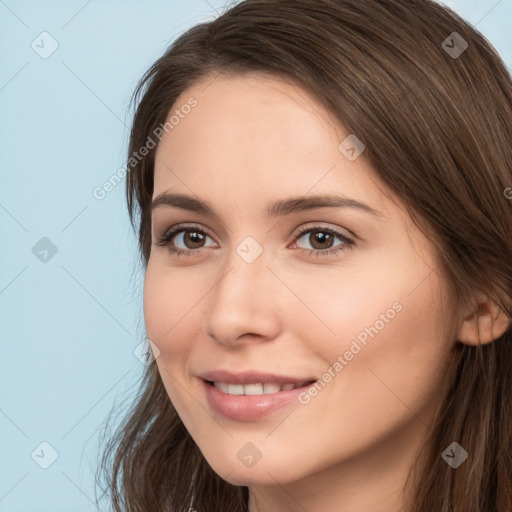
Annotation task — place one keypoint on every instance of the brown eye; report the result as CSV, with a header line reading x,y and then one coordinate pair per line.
x,y
193,239
189,239
322,240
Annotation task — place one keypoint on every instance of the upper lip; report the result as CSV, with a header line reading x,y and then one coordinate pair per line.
x,y
250,377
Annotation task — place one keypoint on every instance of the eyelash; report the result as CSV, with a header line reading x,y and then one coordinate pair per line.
x,y
166,238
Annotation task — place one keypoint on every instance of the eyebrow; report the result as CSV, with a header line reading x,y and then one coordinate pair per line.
x,y
281,207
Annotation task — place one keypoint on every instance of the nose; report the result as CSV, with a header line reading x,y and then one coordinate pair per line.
x,y
244,303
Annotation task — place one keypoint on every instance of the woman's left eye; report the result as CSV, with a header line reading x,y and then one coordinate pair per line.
x,y
318,236
321,236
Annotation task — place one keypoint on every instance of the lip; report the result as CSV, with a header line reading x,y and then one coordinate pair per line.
x,y
249,407
250,377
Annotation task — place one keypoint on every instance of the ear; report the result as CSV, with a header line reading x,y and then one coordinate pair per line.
x,y
488,324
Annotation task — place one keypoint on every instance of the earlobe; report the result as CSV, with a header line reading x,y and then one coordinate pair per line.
x,y
486,325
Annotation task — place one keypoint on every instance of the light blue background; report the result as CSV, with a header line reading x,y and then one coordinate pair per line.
x,y
69,326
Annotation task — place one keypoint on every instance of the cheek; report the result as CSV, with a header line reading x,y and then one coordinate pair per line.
x,y
168,309
389,302
392,365
154,306
169,315
345,304
387,323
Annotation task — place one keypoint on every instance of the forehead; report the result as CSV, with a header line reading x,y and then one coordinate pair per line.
x,y
250,140
231,109
257,125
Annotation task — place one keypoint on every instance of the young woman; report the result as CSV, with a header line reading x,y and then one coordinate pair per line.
x,y
322,192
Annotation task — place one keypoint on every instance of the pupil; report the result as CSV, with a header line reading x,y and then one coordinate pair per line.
x,y
321,237
194,234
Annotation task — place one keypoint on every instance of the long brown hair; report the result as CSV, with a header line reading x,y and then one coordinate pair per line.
x,y
437,126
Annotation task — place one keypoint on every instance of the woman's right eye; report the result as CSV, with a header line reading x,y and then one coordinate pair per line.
x,y
189,236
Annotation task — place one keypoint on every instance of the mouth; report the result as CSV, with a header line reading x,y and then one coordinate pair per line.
x,y
257,388
252,401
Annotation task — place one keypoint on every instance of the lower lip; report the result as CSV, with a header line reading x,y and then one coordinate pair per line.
x,y
249,407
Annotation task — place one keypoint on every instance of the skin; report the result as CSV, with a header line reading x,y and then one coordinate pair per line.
x,y
251,140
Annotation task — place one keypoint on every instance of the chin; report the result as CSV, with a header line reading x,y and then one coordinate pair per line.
x,y
264,472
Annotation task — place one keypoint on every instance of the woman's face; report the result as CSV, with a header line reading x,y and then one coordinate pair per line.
x,y
291,290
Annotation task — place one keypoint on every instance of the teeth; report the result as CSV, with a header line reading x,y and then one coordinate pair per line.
x,y
222,386
267,388
253,389
235,389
